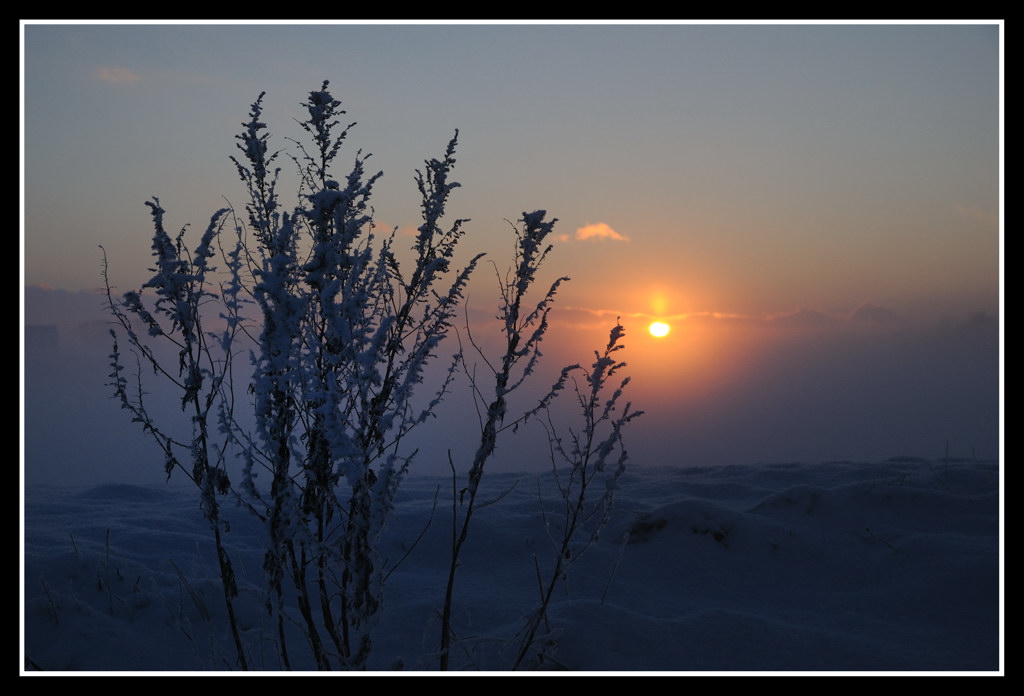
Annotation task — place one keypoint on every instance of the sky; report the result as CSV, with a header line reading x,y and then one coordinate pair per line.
x,y
814,209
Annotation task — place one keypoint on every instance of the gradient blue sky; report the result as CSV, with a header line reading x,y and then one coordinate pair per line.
x,y
810,206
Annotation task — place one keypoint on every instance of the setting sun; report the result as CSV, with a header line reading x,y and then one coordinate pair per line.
x,y
659,329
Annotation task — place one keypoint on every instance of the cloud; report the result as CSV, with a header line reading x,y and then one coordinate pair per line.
x,y
976,214
866,314
802,316
117,75
591,317
874,314
600,230
977,326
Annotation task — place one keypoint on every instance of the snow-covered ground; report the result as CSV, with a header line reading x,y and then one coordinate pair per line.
x,y
826,567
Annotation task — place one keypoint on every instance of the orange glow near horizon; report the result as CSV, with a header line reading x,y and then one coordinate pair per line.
x,y
698,359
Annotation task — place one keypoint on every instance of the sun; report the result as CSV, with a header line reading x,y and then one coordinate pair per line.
x,y
659,329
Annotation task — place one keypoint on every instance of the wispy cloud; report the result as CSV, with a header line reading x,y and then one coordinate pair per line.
x,y
977,214
599,230
117,75
590,317
800,317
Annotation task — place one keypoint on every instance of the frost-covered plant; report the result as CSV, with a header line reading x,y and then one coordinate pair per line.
x,y
523,327
341,335
344,337
175,319
582,457
347,337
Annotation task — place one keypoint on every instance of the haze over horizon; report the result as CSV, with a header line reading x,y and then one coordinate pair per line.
x,y
815,210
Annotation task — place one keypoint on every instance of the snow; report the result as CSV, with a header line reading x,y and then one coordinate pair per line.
x,y
824,568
